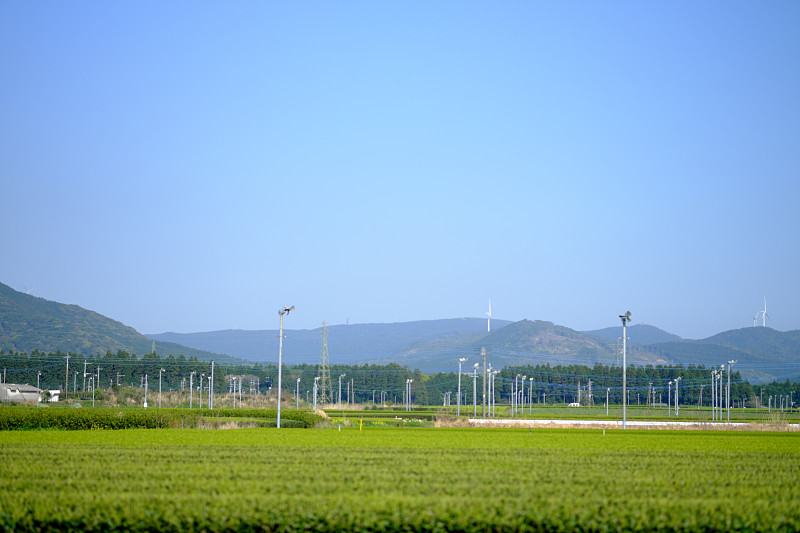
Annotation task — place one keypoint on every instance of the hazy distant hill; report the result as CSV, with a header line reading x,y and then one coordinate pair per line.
x,y
354,343
430,346
760,353
517,344
30,323
637,334
541,342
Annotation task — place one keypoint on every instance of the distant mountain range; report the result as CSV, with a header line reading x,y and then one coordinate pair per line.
x,y
28,323
434,346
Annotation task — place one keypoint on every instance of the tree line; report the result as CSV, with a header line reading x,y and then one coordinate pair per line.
x,y
556,384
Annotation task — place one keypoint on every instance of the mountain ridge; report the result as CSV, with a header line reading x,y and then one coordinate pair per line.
x,y
30,323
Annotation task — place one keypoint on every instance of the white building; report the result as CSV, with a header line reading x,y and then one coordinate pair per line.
x,y
13,392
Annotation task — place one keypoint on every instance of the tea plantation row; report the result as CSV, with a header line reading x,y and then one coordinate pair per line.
x,y
399,480
24,417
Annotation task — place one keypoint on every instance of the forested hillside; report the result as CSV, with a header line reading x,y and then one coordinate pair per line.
x,y
28,323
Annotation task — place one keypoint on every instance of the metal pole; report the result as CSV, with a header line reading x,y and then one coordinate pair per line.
x,y
530,398
493,392
297,395
728,395
483,353
669,400
625,318
280,364
713,395
211,387
38,390
340,390
475,390
191,389
514,399
159,387
458,409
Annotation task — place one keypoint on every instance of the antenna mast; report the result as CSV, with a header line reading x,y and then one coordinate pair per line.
x,y
325,368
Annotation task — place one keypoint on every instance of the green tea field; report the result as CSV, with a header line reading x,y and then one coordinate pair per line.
x,y
399,479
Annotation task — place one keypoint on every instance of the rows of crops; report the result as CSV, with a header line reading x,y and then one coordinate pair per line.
x,y
399,480
24,417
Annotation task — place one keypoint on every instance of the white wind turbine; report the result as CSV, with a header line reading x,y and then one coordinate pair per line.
x,y
489,319
764,313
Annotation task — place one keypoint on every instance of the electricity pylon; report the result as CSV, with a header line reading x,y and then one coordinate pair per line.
x,y
325,368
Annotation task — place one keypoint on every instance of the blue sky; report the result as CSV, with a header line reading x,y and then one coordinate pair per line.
x,y
196,166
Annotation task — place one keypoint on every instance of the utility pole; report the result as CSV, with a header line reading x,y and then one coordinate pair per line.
x,y
713,394
284,311
530,397
458,410
84,375
159,387
625,319
669,399
316,388
66,378
483,354
728,393
475,389
211,387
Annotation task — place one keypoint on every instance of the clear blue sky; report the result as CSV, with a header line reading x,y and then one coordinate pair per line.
x,y
196,166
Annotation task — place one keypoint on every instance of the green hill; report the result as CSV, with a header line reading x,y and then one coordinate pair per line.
x,y
761,353
30,323
637,334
